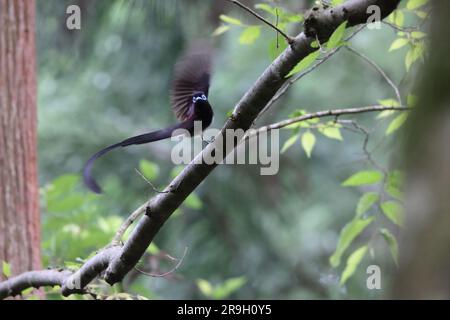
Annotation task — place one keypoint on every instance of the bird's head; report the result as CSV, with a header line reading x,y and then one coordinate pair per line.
x,y
199,96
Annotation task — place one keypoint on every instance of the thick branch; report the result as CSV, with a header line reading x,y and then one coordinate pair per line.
x,y
120,260
321,22
70,282
32,279
163,205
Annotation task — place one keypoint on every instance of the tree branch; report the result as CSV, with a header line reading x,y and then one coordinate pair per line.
x,y
327,113
288,38
381,71
300,75
69,281
118,261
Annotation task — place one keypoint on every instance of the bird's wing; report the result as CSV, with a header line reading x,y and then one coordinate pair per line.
x,y
192,74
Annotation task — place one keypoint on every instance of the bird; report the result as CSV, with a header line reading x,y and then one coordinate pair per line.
x,y
188,98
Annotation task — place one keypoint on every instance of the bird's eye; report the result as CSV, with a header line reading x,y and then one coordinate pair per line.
x,y
203,97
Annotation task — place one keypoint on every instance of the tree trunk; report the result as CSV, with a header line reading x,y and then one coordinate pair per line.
x,y
19,194
425,247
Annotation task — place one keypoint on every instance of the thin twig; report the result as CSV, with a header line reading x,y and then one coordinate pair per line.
x,y
127,223
381,71
401,29
288,38
180,261
133,216
327,113
276,24
366,151
149,183
297,77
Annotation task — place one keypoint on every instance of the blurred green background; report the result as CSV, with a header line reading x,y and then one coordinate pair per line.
x,y
271,235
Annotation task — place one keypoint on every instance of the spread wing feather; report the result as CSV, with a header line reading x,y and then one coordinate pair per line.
x,y
192,74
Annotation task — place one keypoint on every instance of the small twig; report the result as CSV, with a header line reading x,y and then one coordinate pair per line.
x,y
381,71
127,223
401,29
133,216
289,39
366,151
322,50
327,113
276,24
180,261
149,183
297,77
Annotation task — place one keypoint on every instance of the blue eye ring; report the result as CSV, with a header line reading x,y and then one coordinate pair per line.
x,y
202,97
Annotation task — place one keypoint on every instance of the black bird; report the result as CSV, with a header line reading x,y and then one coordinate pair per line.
x,y
189,100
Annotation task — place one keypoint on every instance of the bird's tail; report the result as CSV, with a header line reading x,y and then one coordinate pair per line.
x,y
141,139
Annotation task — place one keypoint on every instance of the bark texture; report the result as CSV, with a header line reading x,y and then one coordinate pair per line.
x,y
19,197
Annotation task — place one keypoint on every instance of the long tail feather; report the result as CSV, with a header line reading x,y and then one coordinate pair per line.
x,y
87,170
140,139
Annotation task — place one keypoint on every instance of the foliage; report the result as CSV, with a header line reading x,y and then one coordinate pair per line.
x,y
110,81
220,291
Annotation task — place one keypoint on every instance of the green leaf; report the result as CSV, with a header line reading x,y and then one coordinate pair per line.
x,y
409,59
398,43
230,286
176,171
6,269
393,211
396,123
385,114
289,143
250,34
392,242
294,18
27,291
267,8
308,142
411,100
149,169
193,202
333,132
421,14
418,34
315,44
230,20
394,184
413,55
205,287
221,29
153,249
389,103
348,234
61,186
305,63
65,203
352,263
366,202
335,3
275,51
109,224
337,36
363,178
397,18
415,4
